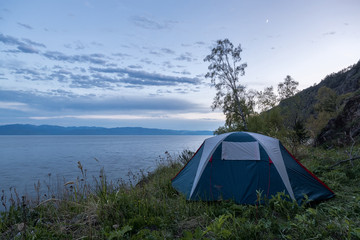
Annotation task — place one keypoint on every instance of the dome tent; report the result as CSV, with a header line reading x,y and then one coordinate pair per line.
x,y
235,165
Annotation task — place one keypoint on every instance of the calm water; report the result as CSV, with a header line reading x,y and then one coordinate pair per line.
x,y
26,159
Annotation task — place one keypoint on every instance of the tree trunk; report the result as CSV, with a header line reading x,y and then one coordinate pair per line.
x,y
241,112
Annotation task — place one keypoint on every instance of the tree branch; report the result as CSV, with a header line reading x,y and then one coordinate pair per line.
x,y
343,161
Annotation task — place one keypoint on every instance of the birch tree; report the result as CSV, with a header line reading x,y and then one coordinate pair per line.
x,y
224,71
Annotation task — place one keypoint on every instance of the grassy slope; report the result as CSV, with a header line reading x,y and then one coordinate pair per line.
x,y
154,210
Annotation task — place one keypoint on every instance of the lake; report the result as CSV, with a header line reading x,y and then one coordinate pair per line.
x,y
26,160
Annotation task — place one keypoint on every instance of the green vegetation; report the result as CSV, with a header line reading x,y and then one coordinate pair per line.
x,y
295,117
152,209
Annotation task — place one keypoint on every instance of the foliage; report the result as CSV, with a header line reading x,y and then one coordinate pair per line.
x,y
297,136
325,109
326,100
316,123
225,129
154,210
288,88
224,71
284,123
301,134
266,99
269,123
233,116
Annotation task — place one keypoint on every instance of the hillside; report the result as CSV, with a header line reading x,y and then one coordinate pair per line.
x,y
26,129
343,82
334,122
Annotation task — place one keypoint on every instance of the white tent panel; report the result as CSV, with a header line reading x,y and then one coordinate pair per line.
x,y
272,148
240,151
210,146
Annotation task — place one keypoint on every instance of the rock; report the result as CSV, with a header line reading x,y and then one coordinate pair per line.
x,y
345,127
20,226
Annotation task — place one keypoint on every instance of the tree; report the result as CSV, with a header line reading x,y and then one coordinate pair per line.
x,y
297,135
326,108
288,88
301,133
234,120
266,99
224,71
327,100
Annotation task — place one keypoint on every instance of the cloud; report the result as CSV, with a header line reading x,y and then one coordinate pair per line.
x,y
30,42
185,45
30,74
329,33
2,76
184,72
151,24
186,57
85,81
167,51
135,67
61,75
122,55
111,78
77,45
98,116
14,106
153,52
28,46
24,46
143,78
168,64
27,49
146,60
92,58
96,44
200,43
181,90
8,40
197,44
61,92
68,103
25,25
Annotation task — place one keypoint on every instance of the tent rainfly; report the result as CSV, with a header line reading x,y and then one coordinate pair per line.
x,y
236,165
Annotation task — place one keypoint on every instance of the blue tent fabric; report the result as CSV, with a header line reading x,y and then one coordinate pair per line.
x,y
237,165
185,178
313,187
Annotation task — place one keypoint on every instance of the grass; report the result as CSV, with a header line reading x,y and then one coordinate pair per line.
x,y
152,209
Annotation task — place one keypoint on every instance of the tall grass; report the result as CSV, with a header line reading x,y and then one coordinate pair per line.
x,y
147,207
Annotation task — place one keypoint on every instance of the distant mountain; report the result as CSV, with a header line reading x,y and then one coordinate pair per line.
x,y
27,129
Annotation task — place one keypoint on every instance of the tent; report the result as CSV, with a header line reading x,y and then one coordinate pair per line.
x,y
238,164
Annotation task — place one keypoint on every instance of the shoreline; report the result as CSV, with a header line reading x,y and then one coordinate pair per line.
x,y
153,209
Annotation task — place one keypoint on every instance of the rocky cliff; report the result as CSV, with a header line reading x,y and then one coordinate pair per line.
x,y
345,128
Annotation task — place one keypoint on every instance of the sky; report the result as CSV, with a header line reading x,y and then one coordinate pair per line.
x,y
128,63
